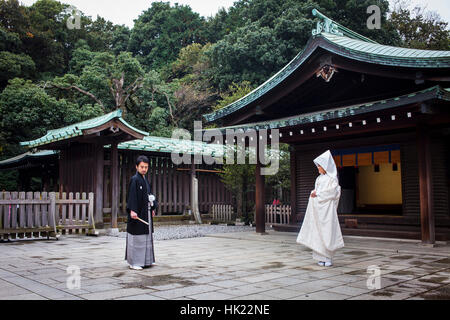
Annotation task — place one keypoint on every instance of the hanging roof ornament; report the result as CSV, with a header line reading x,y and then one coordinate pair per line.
x,y
326,72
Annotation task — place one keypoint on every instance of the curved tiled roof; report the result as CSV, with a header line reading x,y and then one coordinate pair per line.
x,y
26,156
389,55
76,130
169,145
337,39
149,143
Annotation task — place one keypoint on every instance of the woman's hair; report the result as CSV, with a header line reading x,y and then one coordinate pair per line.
x,y
143,159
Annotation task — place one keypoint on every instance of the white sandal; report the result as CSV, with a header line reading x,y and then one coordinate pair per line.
x,y
136,268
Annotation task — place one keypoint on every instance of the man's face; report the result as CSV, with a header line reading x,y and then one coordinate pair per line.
x,y
142,168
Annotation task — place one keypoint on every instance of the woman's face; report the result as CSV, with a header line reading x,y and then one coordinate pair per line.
x,y
321,170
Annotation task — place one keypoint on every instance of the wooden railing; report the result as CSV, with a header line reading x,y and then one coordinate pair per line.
x,y
41,214
222,212
279,214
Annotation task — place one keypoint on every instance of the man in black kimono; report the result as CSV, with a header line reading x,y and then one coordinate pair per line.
x,y
139,249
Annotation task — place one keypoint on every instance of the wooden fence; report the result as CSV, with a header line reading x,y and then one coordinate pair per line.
x,y
222,212
280,214
41,214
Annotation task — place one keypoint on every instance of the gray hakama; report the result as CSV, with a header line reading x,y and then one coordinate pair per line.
x,y
139,250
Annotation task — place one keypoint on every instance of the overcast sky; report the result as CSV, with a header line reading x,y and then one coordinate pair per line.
x,y
125,11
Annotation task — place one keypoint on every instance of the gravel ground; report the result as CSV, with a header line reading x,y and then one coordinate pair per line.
x,y
192,231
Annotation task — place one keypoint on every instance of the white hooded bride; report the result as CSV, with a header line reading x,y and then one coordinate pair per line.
x,y
320,230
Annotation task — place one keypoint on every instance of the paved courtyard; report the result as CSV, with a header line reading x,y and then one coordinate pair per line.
x,y
242,266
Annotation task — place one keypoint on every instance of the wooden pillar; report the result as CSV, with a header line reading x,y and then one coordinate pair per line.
x,y
425,185
293,170
99,185
260,217
125,179
114,184
194,192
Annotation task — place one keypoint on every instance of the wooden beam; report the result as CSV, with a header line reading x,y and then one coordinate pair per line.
x,y
425,184
401,122
115,124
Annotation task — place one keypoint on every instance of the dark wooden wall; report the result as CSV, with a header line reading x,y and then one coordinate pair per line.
x,y
77,168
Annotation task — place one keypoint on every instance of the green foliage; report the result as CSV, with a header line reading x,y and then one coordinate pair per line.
x,y
274,32
420,30
8,180
27,112
235,92
9,41
282,180
239,179
15,65
162,31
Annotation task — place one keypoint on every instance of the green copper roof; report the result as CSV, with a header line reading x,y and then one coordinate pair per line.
x,y
435,92
337,39
149,143
26,156
76,129
168,145
388,55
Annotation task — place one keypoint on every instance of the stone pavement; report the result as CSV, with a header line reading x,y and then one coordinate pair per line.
x,y
233,266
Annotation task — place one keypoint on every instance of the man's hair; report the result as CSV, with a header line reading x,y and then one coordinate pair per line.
x,y
142,159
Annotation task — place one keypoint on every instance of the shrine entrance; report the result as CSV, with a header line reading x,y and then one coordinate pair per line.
x,y
370,180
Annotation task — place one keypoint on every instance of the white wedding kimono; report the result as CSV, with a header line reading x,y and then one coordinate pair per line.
x,y
320,230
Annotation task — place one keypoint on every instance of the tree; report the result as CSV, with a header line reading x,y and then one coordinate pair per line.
x,y
281,182
117,82
420,29
273,33
251,53
192,87
27,112
15,65
9,41
13,17
235,92
239,179
104,78
160,32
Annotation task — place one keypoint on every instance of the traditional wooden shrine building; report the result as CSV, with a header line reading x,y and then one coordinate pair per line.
x,y
383,111
98,155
